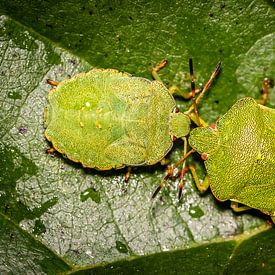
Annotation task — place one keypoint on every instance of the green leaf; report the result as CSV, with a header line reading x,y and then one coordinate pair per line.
x,y
58,216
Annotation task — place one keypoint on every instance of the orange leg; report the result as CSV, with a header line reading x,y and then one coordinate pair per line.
x,y
265,92
50,150
128,174
52,82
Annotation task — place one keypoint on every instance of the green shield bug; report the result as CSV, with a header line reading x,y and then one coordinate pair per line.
x,y
239,154
108,119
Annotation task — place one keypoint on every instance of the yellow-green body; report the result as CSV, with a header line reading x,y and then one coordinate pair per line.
x,y
240,154
108,119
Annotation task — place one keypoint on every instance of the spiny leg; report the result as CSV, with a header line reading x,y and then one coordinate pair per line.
x,y
170,172
236,208
186,95
52,82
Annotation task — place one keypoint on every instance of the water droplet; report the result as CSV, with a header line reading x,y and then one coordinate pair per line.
x,y
196,212
14,95
121,247
90,193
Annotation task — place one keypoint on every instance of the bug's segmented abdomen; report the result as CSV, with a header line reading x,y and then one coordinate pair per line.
x,y
106,119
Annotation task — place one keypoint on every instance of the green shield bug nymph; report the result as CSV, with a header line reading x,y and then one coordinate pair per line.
x,y
239,154
108,119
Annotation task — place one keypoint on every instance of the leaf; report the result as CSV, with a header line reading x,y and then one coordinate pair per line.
x,y
75,217
226,257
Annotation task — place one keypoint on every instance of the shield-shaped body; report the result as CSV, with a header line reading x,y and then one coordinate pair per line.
x,y
241,155
108,119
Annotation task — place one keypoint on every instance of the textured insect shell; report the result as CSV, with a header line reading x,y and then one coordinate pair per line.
x,y
108,119
241,155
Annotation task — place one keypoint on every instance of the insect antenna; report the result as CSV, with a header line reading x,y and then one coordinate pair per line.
x,y
193,91
205,88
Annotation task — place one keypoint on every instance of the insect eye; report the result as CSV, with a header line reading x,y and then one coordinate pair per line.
x,y
176,110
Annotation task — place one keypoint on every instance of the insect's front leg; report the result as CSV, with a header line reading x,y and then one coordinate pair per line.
x,y
163,63
186,95
173,89
202,186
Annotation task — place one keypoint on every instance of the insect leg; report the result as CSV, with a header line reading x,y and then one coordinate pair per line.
x,y
52,82
173,89
128,174
50,150
163,63
186,95
183,169
170,172
193,117
264,92
205,88
236,208
273,219
202,186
